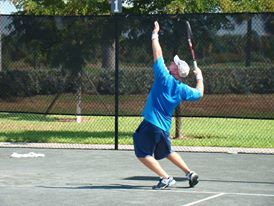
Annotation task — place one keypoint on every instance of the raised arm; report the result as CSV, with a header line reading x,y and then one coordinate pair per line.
x,y
199,78
156,48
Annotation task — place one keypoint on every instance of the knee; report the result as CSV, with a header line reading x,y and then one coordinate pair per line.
x,y
147,158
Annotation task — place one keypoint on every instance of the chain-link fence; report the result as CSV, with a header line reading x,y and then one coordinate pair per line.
x,y
57,71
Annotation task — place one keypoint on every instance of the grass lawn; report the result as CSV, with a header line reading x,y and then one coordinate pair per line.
x,y
100,130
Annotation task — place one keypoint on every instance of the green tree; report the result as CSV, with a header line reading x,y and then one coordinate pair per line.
x,y
62,7
198,6
102,7
171,6
231,6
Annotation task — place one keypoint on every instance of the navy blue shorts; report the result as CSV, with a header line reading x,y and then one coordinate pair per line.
x,y
150,140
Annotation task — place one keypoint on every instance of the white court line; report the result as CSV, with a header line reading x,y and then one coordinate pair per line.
x,y
202,192
226,193
207,192
250,194
205,199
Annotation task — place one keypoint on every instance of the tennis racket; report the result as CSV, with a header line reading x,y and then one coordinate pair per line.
x,y
189,39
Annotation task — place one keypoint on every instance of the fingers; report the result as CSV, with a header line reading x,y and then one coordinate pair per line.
x,y
156,27
197,71
156,24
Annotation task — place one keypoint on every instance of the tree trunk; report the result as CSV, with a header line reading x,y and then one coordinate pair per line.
x,y
178,119
78,98
108,61
178,126
248,42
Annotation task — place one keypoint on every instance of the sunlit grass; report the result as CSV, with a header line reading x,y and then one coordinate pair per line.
x,y
100,130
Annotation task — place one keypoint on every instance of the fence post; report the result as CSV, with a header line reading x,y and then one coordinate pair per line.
x,y
1,43
0,51
116,82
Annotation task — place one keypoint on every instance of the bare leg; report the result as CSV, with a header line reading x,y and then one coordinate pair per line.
x,y
154,165
176,159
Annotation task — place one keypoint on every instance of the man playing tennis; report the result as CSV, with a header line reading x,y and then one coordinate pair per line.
x,y
151,139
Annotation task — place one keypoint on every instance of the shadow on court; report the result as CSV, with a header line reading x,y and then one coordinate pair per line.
x,y
144,178
99,187
109,177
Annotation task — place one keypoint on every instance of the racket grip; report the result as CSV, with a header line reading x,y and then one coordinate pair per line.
x,y
195,64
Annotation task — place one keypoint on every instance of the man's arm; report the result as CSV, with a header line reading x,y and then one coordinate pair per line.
x,y
156,48
199,78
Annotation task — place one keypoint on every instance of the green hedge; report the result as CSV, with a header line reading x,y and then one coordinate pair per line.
x,y
137,82
242,80
30,83
217,81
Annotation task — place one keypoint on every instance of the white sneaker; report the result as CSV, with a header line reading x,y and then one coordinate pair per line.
x,y
193,178
164,183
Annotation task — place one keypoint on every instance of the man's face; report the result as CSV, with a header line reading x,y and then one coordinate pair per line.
x,y
173,70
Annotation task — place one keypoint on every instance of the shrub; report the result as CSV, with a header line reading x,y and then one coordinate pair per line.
x,y
217,81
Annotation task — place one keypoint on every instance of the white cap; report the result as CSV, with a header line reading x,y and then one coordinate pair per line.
x,y
183,67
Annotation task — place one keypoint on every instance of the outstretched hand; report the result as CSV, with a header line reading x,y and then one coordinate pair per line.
x,y
156,27
197,71
156,48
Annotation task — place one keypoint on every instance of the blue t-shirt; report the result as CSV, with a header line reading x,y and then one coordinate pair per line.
x,y
166,93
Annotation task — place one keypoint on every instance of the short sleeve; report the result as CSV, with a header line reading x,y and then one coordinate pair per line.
x,y
159,68
190,94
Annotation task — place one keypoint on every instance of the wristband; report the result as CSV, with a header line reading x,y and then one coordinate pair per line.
x,y
154,36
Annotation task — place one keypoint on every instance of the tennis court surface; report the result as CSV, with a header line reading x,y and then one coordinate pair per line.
x,y
110,177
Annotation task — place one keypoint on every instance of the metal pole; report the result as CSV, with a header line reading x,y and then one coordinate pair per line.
x,y
116,82
1,43
0,51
